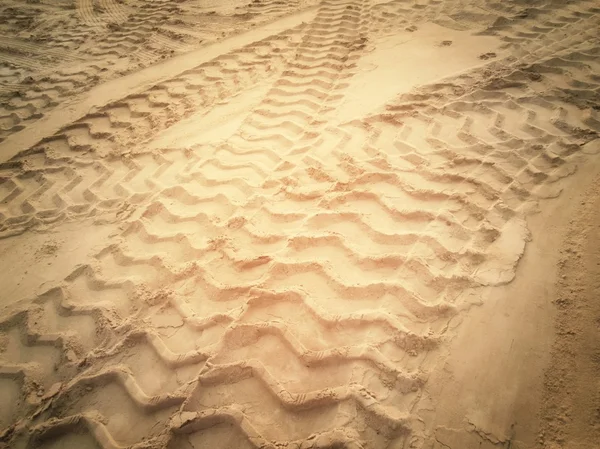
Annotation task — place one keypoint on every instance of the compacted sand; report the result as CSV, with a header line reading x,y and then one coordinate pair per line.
x,y
300,224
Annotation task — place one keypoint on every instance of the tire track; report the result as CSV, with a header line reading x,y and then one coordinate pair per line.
x,y
42,345
114,261
274,7
87,13
303,269
18,46
108,130
129,262
114,12
102,34
488,190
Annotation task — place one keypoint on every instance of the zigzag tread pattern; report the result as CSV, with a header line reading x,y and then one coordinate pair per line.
x,y
98,36
304,269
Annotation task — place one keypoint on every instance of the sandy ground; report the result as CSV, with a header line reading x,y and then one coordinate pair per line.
x,y
302,224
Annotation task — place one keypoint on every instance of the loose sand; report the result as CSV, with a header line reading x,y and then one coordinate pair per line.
x,y
302,224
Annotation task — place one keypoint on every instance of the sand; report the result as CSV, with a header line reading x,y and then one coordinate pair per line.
x,y
361,224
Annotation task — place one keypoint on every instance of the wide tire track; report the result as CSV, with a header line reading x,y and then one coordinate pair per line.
x,y
369,228
115,129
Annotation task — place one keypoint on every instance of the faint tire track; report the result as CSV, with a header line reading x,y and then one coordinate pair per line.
x,y
85,10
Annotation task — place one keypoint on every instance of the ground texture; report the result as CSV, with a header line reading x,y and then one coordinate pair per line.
x,y
269,224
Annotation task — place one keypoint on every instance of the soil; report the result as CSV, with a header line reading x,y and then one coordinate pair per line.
x,y
302,224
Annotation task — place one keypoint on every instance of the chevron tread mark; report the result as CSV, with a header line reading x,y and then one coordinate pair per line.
x,y
99,40
304,272
43,344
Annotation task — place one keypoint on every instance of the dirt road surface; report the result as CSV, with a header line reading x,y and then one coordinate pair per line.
x,y
299,224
